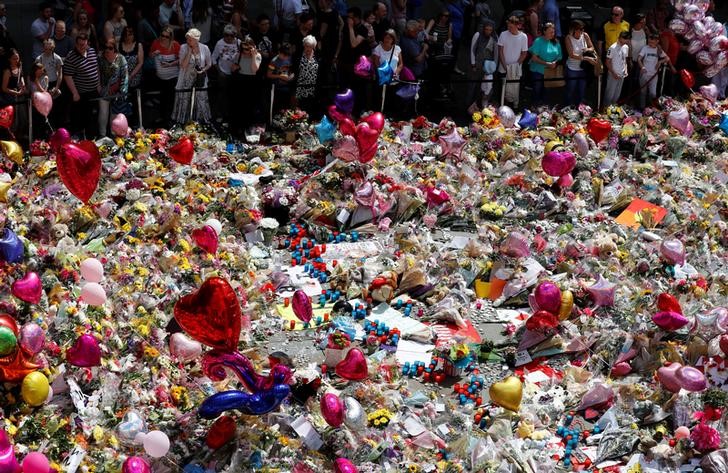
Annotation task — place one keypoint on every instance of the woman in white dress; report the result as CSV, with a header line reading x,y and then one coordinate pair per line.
x,y
195,59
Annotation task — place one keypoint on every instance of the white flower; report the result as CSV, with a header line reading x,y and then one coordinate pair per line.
x,y
269,223
283,201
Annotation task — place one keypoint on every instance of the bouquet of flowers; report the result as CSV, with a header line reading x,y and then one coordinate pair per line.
x,y
337,346
291,120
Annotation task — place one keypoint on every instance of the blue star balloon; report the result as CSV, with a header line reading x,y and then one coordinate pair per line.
x,y
325,130
385,73
724,122
11,248
528,120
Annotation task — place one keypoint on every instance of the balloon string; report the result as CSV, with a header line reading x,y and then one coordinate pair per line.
x,y
49,125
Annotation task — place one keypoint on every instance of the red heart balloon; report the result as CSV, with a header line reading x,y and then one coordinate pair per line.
x,y
221,432
353,366
599,129
723,343
375,120
211,315
79,167
667,302
687,78
366,140
336,114
28,289
206,238
183,151
6,116
347,127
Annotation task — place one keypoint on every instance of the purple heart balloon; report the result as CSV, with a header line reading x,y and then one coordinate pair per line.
x,y
548,297
302,306
558,163
136,465
691,379
673,251
345,102
669,320
11,248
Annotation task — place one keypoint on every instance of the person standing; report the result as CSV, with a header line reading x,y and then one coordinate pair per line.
x,y
545,54
279,71
165,51
247,87
64,43
610,31
194,61
399,15
330,27
533,20
83,25
650,58
354,45
617,55
115,25
639,33
512,51
483,47
307,78
550,14
381,23
414,50
224,55
457,20
114,80
133,52
81,75
42,28
286,17
579,48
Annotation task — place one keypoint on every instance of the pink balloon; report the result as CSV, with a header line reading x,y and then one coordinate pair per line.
x,y
344,465
692,13
301,304
682,432
85,352
43,102
678,26
668,320
548,297
582,144
29,289
710,92
36,462
599,395
183,348
32,338
691,379
363,68
119,125
92,270
565,181
367,139
680,120
136,465
93,294
558,163
667,375
354,366
8,462
336,114
672,250
694,46
621,369
59,138
347,127
332,409
346,149
704,58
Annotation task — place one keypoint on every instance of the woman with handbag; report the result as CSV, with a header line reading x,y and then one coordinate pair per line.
x,y
387,60
194,61
483,63
114,78
545,57
307,72
580,50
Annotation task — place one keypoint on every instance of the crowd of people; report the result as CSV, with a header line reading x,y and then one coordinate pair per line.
x,y
209,61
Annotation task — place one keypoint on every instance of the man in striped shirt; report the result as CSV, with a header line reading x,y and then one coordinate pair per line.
x,y
81,73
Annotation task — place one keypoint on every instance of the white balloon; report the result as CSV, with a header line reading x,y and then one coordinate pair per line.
x,y
215,224
93,294
92,270
156,444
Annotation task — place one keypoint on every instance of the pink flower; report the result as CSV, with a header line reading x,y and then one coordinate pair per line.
x,y
706,438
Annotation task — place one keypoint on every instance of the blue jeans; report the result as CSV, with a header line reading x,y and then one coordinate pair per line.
x,y
575,86
538,88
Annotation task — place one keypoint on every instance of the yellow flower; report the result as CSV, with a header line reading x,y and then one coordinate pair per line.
x,y
477,117
98,434
128,156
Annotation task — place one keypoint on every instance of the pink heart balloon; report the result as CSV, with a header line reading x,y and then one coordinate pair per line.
x,y
29,289
691,379
621,369
565,181
680,120
363,67
85,352
437,196
354,366
32,338
710,92
548,297
558,163
184,348
599,395
346,149
668,320
673,251
120,125
667,375
136,465
375,120
336,114
206,238
59,138
301,304
79,167
8,461
366,140
332,409
43,102
344,465
516,245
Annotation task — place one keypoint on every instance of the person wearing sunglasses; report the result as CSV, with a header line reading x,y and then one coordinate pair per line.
x,y
610,31
165,51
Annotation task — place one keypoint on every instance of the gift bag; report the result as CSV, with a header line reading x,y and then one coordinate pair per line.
x,y
555,73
